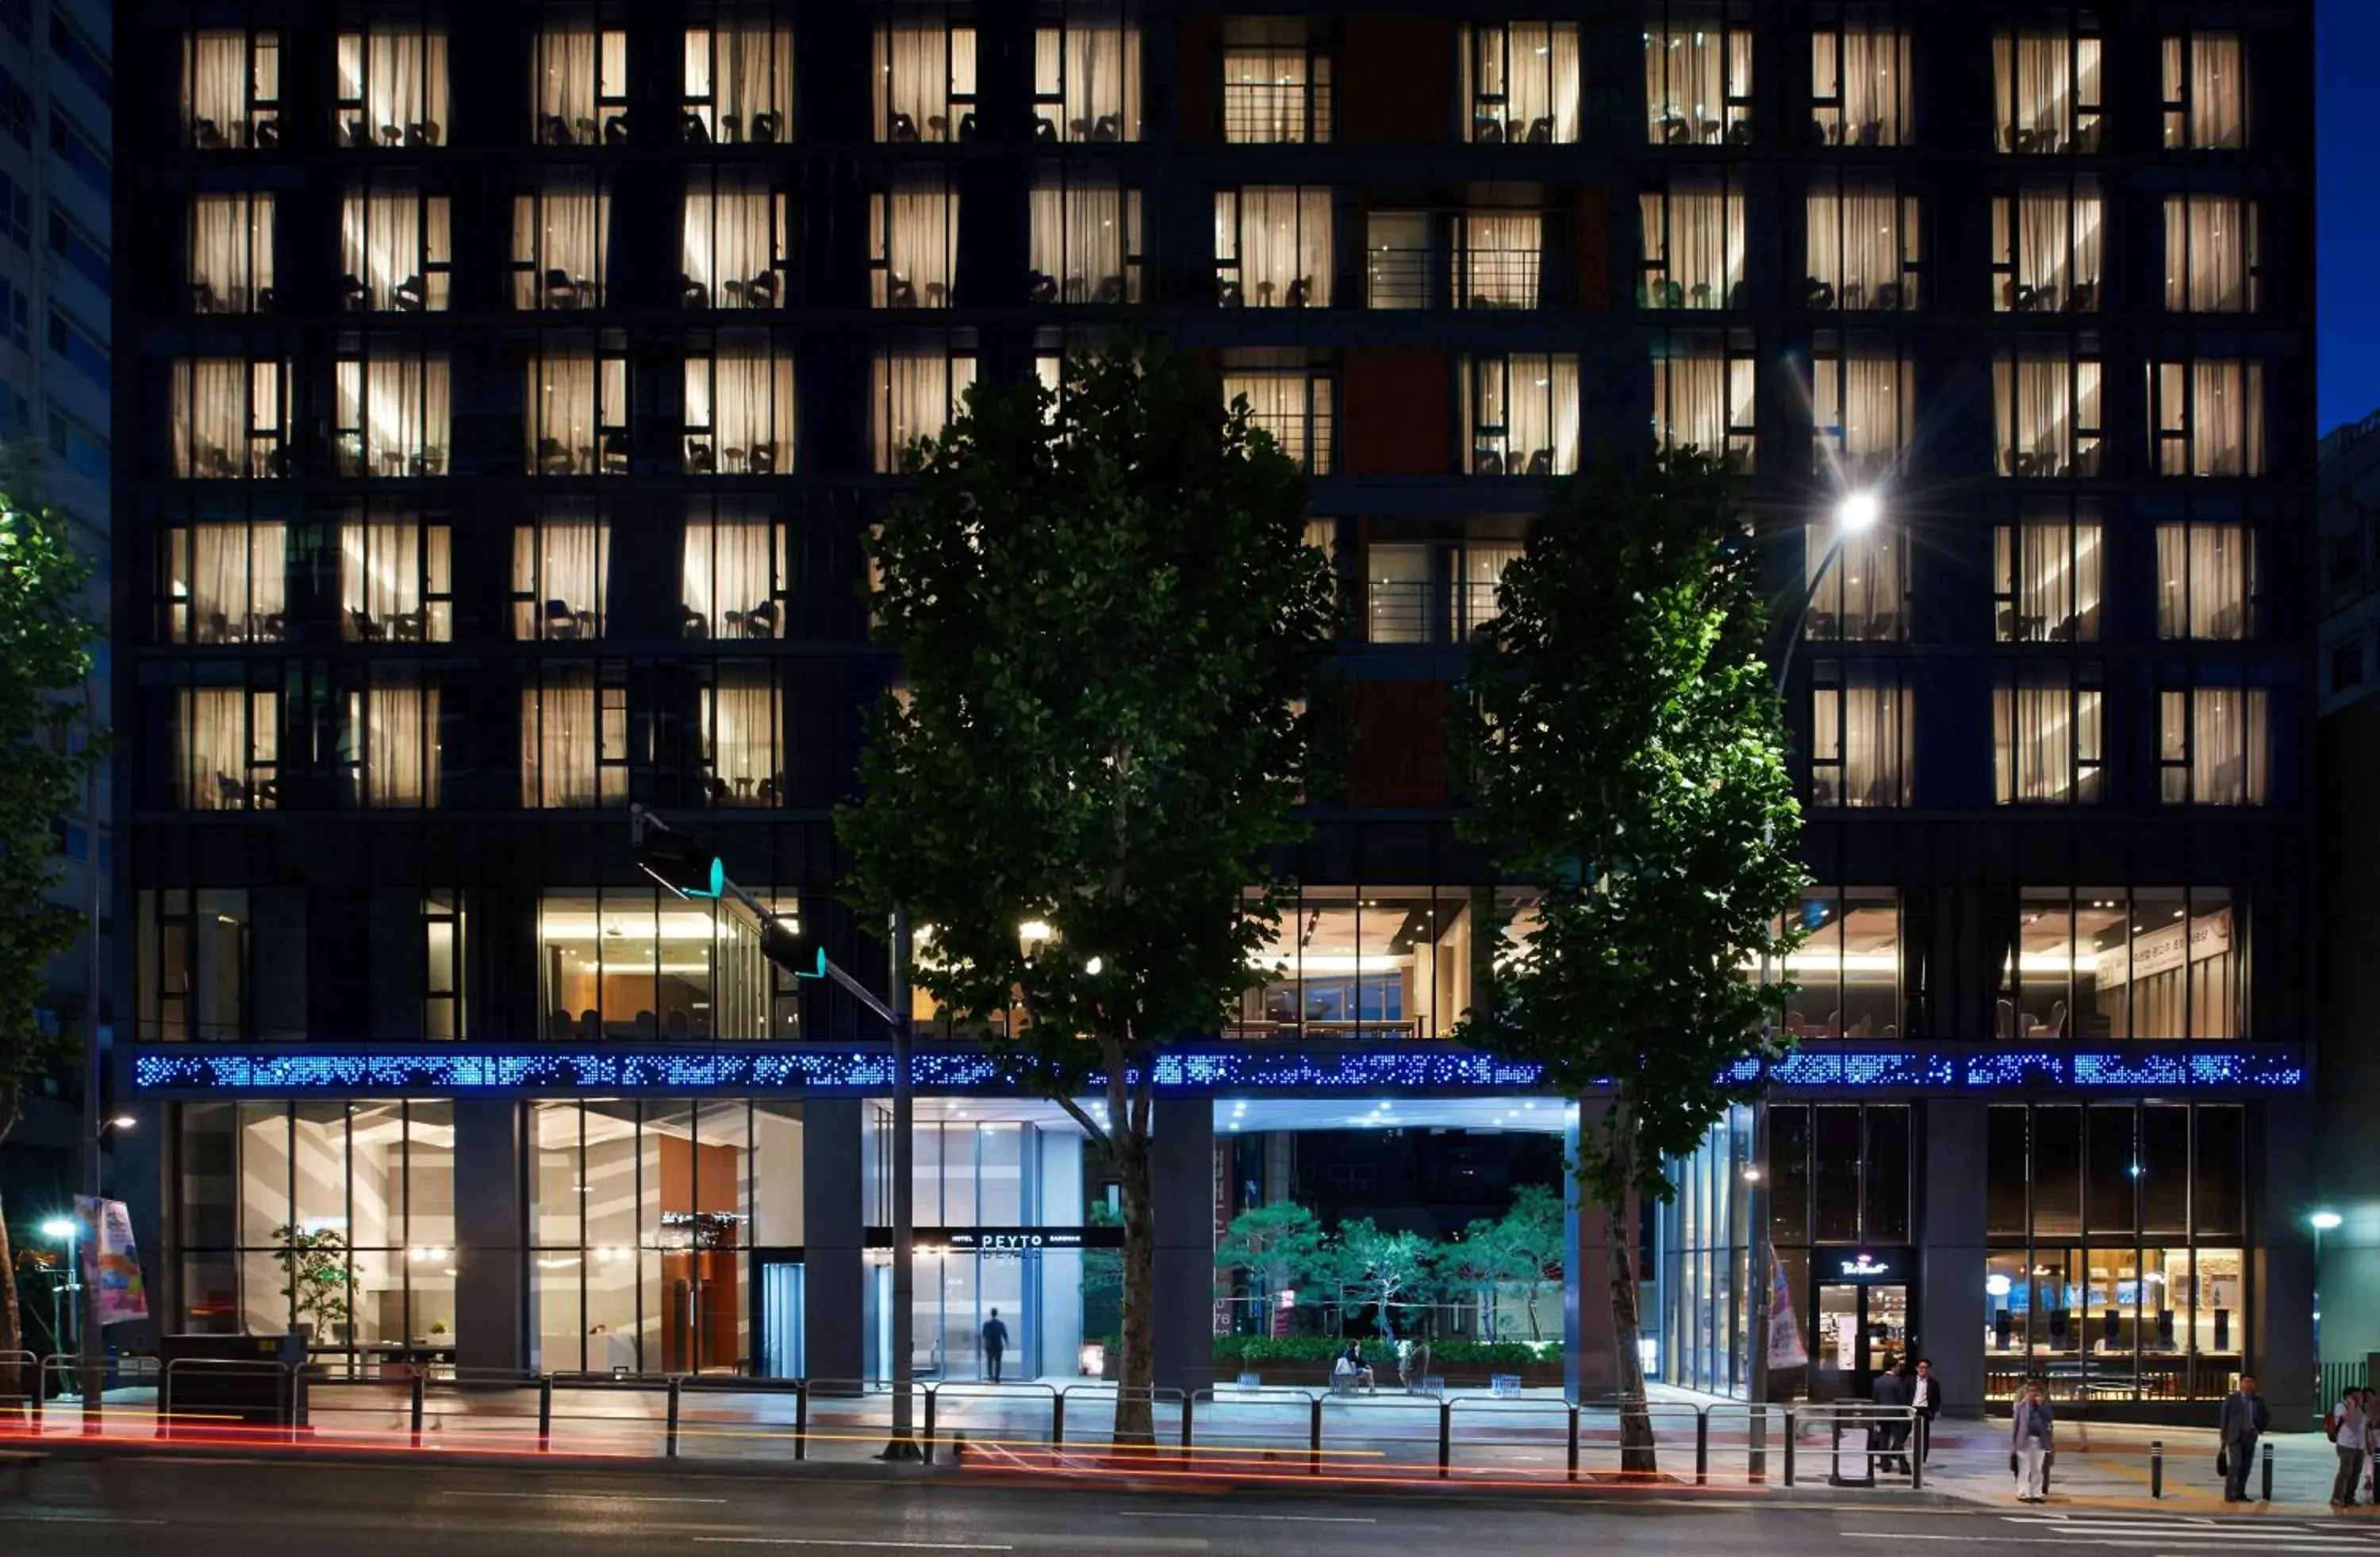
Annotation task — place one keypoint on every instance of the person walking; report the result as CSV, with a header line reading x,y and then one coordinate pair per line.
x,y
2242,1419
2031,1443
1892,1391
995,1342
2349,1430
1925,1398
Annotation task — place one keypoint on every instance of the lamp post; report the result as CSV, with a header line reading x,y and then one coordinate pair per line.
x,y
1855,514
65,1297
2321,1222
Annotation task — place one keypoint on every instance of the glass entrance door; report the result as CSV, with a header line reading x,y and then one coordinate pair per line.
x,y
1834,1348
777,1315
1884,1325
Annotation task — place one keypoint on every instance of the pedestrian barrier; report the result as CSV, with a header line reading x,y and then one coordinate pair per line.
x,y
1264,1430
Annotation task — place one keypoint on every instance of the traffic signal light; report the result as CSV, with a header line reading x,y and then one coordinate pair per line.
x,y
676,860
785,943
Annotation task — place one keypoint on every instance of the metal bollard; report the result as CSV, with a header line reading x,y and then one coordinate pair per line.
x,y
1185,1429
1573,1444
2267,1492
669,1433
1702,1448
1789,1434
1058,1420
420,1389
1923,1431
1314,1437
801,1419
1445,1437
927,1448
544,1413
2156,1467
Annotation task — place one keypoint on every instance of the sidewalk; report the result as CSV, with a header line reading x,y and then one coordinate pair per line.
x,y
2104,1465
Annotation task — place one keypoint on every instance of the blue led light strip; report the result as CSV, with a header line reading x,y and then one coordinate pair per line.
x,y
1287,1069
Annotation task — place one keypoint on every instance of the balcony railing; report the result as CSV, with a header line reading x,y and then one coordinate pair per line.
x,y
1404,612
1399,278
1275,113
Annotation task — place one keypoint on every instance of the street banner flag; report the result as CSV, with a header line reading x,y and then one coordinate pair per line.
x,y
1785,1348
109,1261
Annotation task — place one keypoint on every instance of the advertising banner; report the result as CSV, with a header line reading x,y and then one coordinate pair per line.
x,y
109,1261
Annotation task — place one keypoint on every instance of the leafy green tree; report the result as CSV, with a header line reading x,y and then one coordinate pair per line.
x,y
315,1264
1383,1269
1109,619
1625,758
1275,1248
1523,1247
46,746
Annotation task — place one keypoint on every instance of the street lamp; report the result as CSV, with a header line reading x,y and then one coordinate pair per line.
x,y
1855,514
67,1231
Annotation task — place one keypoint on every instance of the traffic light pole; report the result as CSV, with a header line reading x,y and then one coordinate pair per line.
x,y
669,856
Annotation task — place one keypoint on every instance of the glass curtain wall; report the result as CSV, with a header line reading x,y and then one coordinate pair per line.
x,y
1703,1260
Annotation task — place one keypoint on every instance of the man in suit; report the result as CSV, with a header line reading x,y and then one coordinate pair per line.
x,y
1892,1433
2244,1420
1926,1394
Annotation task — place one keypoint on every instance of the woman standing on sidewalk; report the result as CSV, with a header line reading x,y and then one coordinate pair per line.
x,y
2030,1443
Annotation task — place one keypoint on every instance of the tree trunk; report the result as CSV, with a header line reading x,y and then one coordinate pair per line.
x,y
14,1379
1636,1454
1136,1374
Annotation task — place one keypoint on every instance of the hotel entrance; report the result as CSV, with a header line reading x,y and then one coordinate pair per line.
x,y
1860,1306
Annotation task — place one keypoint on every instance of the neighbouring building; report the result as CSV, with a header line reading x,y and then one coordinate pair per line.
x,y
513,390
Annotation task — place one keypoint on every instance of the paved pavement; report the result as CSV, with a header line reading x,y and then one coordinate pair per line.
x,y
229,1506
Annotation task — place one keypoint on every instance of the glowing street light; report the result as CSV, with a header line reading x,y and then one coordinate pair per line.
x,y
2325,1222
62,1228
1857,512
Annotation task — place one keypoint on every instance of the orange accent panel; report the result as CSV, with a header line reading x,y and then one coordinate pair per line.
x,y
1396,743
1395,410
1397,79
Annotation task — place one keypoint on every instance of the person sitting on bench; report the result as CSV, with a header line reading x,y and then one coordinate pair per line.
x,y
1349,1370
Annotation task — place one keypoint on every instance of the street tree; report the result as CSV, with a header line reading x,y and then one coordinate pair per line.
x,y
1273,1248
1109,623
46,746
1624,759
1382,1268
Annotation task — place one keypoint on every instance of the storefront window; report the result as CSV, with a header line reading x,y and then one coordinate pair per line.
x,y
2113,1317
1702,1256
1847,971
1372,964
2115,962
636,963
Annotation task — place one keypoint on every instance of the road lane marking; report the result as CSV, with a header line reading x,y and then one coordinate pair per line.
x,y
571,1497
1274,1518
868,1545
65,1518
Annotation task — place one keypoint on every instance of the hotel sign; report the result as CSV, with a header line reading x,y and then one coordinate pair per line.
x,y
1004,1240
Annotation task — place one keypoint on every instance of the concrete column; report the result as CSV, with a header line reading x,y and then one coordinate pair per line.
x,y
1184,1169
835,1334
1590,1366
136,1175
2280,1256
491,1252
1948,1324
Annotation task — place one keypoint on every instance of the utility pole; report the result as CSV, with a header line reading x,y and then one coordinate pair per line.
x,y
91,1341
903,1444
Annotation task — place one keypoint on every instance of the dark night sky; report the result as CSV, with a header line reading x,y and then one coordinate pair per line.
x,y
2348,179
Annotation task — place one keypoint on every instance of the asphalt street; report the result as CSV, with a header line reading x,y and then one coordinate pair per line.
x,y
69,1508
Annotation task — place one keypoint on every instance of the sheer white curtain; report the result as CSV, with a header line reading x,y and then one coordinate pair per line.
x,y
1861,588
1703,259
2046,410
226,412
916,397
562,571
2204,574
214,87
2034,78
215,749
1535,399
1079,241
1874,746
745,71
915,232
2218,407
2230,754
381,573
731,575
2215,85
398,720
564,421
918,70
1695,399
380,244
2057,583
2047,743
2210,251
747,400
399,79
1854,245
231,249
403,405
731,236
1280,237
1500,259
239,578
1689,76
1089,73
1875,87
1277,402
1541,79
2059,245
740,730
559,736
565,226
1861,406
563,71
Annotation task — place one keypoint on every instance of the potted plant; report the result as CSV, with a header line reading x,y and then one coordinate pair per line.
x,y
314,1264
